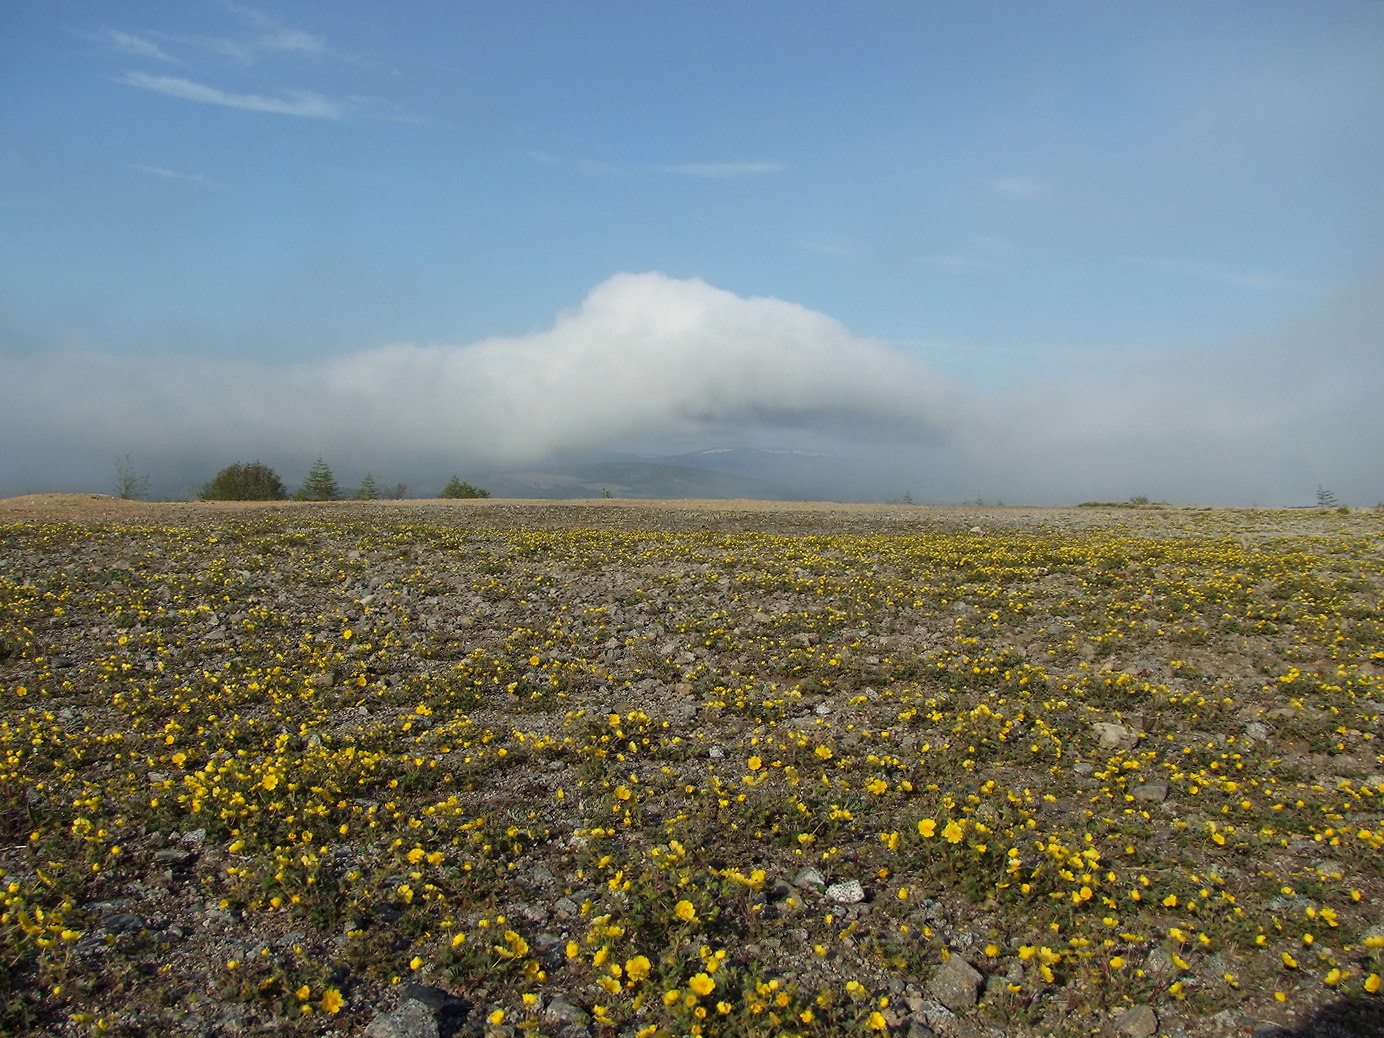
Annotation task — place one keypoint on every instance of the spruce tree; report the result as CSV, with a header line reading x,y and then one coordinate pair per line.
x,y
368,490
320,484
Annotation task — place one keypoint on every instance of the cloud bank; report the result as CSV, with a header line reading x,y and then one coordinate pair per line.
x,y
649,359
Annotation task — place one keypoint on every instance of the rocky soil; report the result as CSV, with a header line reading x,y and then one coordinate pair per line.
x,y
639,768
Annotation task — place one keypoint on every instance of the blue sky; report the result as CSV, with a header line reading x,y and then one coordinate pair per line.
x,y
1043,252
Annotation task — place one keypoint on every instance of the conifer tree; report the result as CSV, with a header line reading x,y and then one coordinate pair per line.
x,y
320,484
368,491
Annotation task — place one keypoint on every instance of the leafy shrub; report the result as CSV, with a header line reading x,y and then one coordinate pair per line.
x,y
456,488
244,481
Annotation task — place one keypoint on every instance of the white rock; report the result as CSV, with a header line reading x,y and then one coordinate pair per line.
x,y
849,892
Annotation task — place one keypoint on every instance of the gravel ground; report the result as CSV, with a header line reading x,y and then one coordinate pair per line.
x,y
267,763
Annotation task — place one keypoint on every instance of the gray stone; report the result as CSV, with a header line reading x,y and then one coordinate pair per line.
x,y
936,1016
561,1011
957,984
849,892
411,1020
174,856
1115,736
1159,962
122,922
424,1012
1151,792
809,877
1137,1022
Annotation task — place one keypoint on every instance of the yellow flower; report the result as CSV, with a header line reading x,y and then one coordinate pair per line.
x,y
686,911
702,984
1289,961
637,968
954,831
755,763
1373,984
926,828
876,1022
672,997
304,993
332,1000
1117,962
497,1018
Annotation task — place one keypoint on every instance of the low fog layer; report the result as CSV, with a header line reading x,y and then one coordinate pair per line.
x,y
650,359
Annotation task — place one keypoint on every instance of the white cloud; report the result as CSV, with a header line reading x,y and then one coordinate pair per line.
x,y
724,170
651,359
139,45
299,103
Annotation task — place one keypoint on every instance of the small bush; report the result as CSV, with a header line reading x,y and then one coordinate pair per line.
x,y
456,488
243,481
131,485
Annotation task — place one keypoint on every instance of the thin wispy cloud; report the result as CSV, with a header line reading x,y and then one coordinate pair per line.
x,y
824,248
1015,187
141,46
255,49
994,246
172,174
959,264
1258,281
273,38
724,170
301,103
586,167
